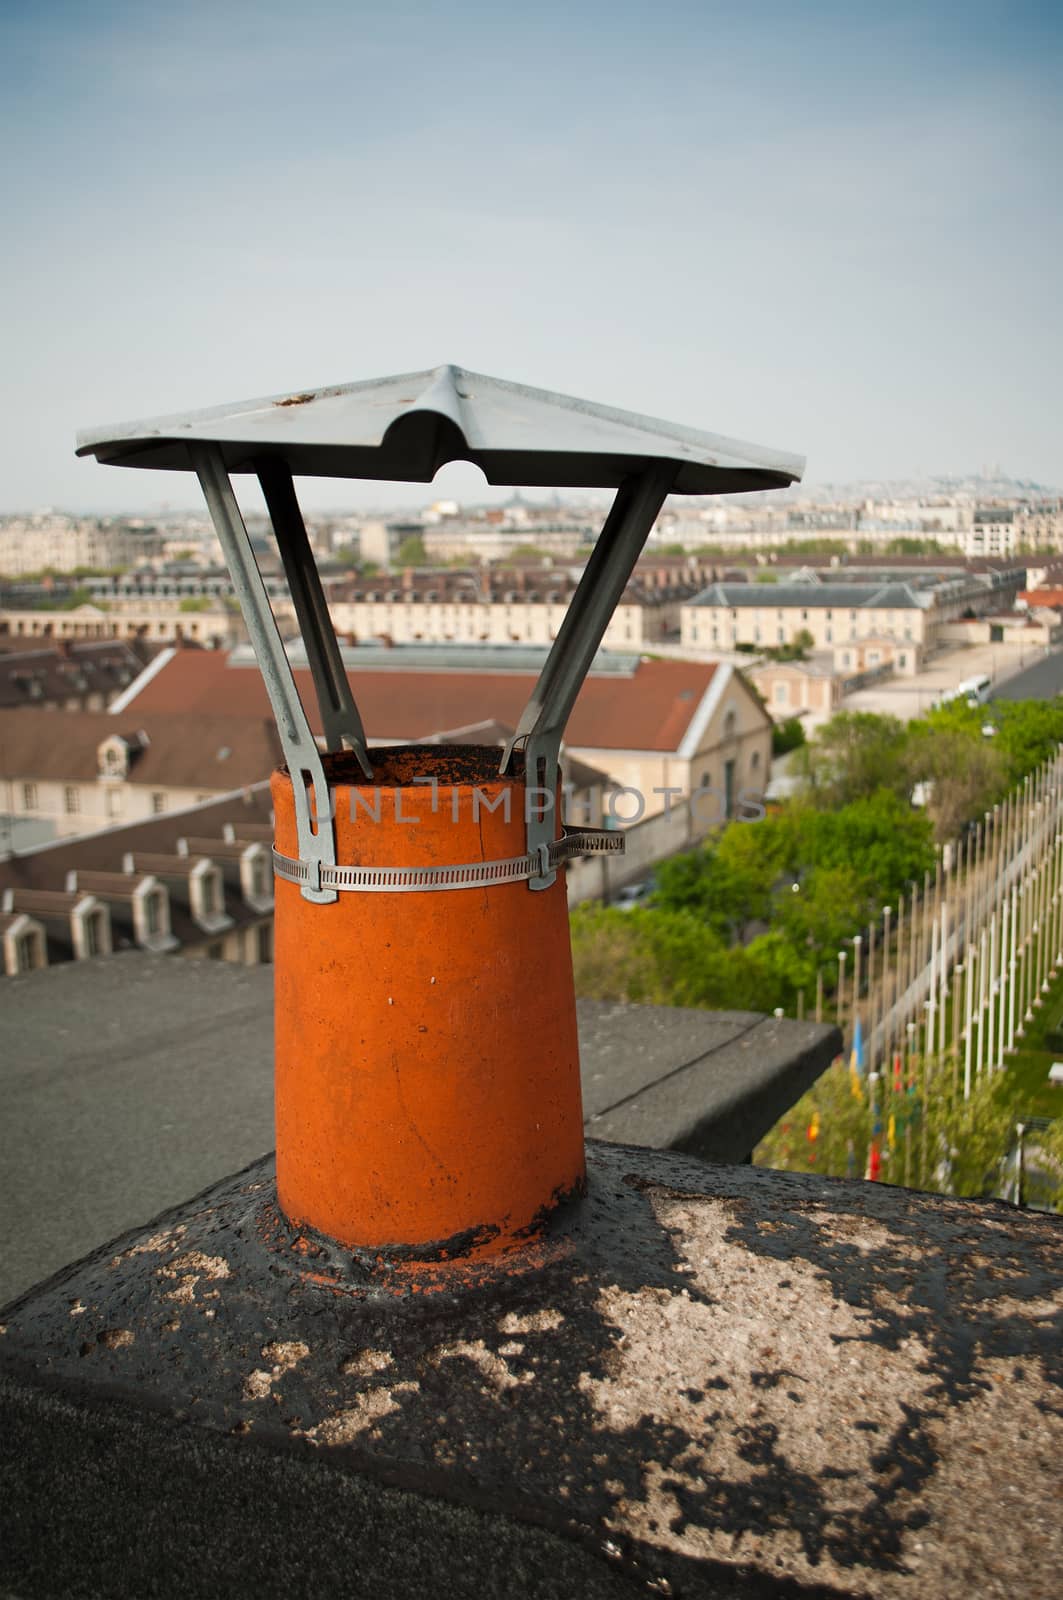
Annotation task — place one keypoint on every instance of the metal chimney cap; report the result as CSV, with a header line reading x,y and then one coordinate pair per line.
x,y
405,428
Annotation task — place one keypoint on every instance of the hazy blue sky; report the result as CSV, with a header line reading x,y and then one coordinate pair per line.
x,y
831,227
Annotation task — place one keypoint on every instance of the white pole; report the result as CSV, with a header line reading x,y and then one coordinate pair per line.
x,y
991,1057
968,1028
944,977
1011,969
980,1055
1002,979
932,1000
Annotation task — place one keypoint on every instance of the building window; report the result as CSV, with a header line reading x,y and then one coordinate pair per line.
x,y
24,953
152,913
264,934
754,761
902,660
114,802
30,799
828,634
780,634
729,725
208,896
158,802
782,693
72,799
259,877
94,934
216,952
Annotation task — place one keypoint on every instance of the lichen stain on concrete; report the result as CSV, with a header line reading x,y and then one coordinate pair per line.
x,y
860,1232
284,1354
213,1267
365,1363
814,1445
345,1426
115,1338
185,1292
531,1321
495,1372
1029,1310
258,1385
987,1450
187,1271
168,1239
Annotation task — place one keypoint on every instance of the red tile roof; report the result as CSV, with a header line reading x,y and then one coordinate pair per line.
x,y
649,709
1052,598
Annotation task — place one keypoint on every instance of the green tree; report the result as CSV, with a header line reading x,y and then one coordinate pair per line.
x,y
411,552
786,736
727,881
195,602
826,908
965,774
887,842
856,754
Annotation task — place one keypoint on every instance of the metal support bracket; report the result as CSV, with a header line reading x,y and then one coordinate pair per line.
x,y
340,719
317,844
636,507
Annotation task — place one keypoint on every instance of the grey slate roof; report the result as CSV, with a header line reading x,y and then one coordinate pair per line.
x,y
840,596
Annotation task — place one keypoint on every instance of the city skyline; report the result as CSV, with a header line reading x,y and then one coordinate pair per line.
x,y
830,233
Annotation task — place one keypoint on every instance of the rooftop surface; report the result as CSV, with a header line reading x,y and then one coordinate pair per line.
x,y
207,750
766,596
703,1381
131,1082
649,710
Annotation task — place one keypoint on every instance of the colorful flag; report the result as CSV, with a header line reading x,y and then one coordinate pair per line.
x,y
874,1161
858,1046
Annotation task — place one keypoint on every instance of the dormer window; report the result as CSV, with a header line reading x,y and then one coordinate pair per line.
x,y
113,758
260,876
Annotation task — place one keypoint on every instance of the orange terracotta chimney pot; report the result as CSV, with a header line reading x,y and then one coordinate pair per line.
x,y
427,1063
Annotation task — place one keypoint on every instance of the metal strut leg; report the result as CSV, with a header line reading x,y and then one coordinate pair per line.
x,y
340,719
317,846
634,511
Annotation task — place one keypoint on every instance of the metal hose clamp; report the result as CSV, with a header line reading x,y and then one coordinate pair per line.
x,y
465,875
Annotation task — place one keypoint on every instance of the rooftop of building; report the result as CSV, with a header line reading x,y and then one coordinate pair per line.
x,y
770,596
55,673
166,749
637,705
717,1381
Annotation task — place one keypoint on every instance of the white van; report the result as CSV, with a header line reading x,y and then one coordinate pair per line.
x,y
976,690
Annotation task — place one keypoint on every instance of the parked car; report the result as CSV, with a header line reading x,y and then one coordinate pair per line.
x,y
634,894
